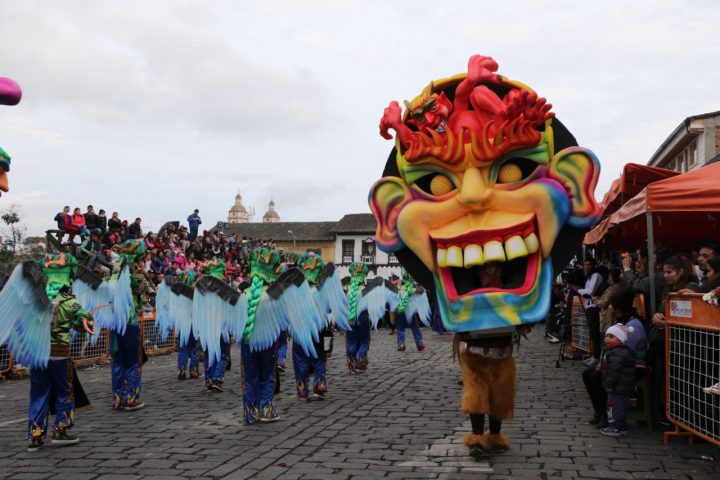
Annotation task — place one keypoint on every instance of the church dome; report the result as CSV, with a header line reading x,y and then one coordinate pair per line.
x,y
271,215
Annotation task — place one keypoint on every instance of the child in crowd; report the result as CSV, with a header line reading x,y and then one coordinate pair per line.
x,y
618,375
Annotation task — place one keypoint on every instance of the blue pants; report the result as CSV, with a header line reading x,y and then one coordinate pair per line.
x,y
401,322
258,383
215,371
302,364
282,348
125,353
617,409
55,380
189,352
357,342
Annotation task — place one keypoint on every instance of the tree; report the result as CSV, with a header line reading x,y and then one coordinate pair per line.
x,y
14,231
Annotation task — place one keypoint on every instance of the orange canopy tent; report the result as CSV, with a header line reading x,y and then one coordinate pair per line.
x,y
634,179
678,211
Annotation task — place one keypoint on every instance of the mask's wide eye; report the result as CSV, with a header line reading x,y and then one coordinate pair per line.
x,y
515,170
435,184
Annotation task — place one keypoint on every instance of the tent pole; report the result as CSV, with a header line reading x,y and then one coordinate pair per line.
x,y
651,263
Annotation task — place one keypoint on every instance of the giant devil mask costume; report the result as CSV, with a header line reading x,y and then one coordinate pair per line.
x,y
483,172
482,175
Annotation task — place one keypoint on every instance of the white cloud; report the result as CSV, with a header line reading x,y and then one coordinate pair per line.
x,y
156,108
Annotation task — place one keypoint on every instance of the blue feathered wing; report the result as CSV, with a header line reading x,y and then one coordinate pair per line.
x,y
95,295
287,304
26,315
377,294
331,298
418,303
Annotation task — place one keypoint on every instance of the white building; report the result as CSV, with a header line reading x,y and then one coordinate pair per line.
x,y
355,242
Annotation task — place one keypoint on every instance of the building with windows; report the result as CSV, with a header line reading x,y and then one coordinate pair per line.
x,y
351,239
693,144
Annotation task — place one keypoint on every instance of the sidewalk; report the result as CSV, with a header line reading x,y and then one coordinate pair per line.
x,y
399,420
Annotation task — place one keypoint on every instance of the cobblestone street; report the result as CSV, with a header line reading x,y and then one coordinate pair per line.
x,y
398,420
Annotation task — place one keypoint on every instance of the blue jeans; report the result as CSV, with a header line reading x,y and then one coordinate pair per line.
x,y
401,322
357,342
126,379
258,368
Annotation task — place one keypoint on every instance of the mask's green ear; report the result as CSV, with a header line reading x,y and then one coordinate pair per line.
x,y
578,170
387,198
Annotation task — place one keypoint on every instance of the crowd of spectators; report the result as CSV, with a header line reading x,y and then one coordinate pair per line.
x,y
603,288
173,249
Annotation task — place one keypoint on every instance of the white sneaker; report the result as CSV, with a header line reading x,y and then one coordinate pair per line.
x,y
553,339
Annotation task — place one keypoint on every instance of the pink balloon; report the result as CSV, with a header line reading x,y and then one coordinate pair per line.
x,y
10,92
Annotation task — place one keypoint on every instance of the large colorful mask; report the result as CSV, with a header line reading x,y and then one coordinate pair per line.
x,y
265,263
10,94
311,265
482,174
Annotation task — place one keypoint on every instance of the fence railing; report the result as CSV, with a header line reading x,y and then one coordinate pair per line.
x,y
84,352
692,346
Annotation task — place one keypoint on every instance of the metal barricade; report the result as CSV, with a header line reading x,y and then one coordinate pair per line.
x,y
152,337
6,362
579,331
83,352
692,346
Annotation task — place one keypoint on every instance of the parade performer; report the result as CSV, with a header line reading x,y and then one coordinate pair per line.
x,y
174,306
367,305
327,291
38,313
10,94
207,305
125,346
274,302
413,300
482,172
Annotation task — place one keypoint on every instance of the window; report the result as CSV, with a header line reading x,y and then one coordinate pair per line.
x,y
348,251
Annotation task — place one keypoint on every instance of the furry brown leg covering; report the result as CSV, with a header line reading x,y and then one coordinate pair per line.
x,y
488,385
488,442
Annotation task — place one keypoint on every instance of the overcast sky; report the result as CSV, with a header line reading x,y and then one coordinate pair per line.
x,y
154,108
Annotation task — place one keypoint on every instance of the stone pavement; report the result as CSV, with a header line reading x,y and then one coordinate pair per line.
x,y
398,420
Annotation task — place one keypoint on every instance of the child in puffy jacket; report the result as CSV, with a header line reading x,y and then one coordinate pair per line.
x,y
618,375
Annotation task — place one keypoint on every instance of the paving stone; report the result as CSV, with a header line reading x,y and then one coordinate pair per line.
x,y
399,420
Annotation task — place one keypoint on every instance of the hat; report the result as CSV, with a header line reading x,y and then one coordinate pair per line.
x,y
620,331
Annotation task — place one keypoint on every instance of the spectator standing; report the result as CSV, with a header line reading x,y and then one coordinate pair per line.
x,y
60,219
618,375
706,249
194,222
593,288
638,278
135,230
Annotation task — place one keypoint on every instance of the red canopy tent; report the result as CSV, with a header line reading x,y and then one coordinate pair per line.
x,y
679,211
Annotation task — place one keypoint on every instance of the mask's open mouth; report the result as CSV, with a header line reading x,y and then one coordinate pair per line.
x,y
469,263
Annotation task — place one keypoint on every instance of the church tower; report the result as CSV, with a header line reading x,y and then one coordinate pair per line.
x,y
271,216
238,213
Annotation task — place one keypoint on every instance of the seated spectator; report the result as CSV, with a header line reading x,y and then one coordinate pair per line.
x,y
92,221
102,221
607,316
78,222
135,230
114,224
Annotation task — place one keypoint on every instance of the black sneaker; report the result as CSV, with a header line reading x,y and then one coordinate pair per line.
x,y
63,437
216,387
35,444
